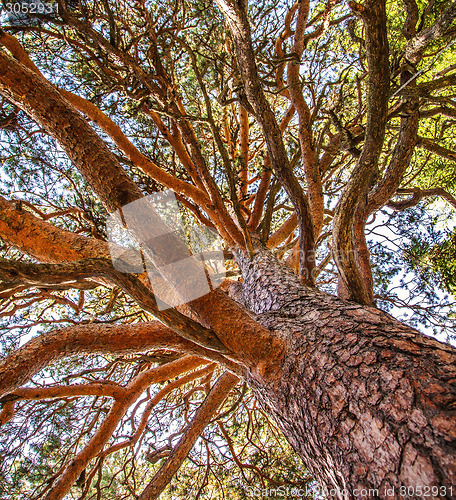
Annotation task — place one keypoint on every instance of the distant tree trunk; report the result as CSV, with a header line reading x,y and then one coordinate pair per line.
x,y
367,402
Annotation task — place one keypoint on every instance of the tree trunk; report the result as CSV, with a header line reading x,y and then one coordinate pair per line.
x,y
367,402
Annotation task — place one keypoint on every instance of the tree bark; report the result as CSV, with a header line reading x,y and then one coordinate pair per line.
x,y
366,401
20,366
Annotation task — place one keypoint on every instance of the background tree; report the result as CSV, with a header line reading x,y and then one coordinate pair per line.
x,y
287,129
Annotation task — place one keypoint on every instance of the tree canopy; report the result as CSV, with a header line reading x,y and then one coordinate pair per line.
x,y
322,131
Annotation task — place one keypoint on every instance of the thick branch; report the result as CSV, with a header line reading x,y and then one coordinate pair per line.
x,y
175,107
237,20
440,110
413,14
132,153
197,194
374,16
282,233
42,102
399,163
112,185
33,274
260,196
424,88
25,273
96,443
242,334
32,357
416,45
400,160
312,172
43,240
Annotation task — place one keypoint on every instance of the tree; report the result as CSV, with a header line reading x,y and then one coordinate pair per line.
x,y
282,128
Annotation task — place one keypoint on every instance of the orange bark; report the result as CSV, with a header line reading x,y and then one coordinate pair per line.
x,y
43,240
161,394
286,33
7,412
204,414
132,153
112,129
260,196
36,354
96,443
281,234
175,141
249,340
254,344
115,189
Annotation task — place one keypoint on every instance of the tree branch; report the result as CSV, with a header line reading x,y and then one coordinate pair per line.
x,y
96,443
176,107
161,394
400,159
44,104
418,195
237,20
242,334
413,15
309,161
43,240
415,47
197,194
424,88
113,130
263,188
440,110
252,342
374,17
36,354
282,233
32,274
106,389
431,146
203,416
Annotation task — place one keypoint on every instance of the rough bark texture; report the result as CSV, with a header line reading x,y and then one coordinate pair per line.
x,y
366,401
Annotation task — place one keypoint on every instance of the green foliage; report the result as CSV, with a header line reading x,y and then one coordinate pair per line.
x,y
442,258
411,277
413,253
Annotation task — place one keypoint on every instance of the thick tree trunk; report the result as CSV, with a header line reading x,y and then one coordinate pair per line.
x,y
367,402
